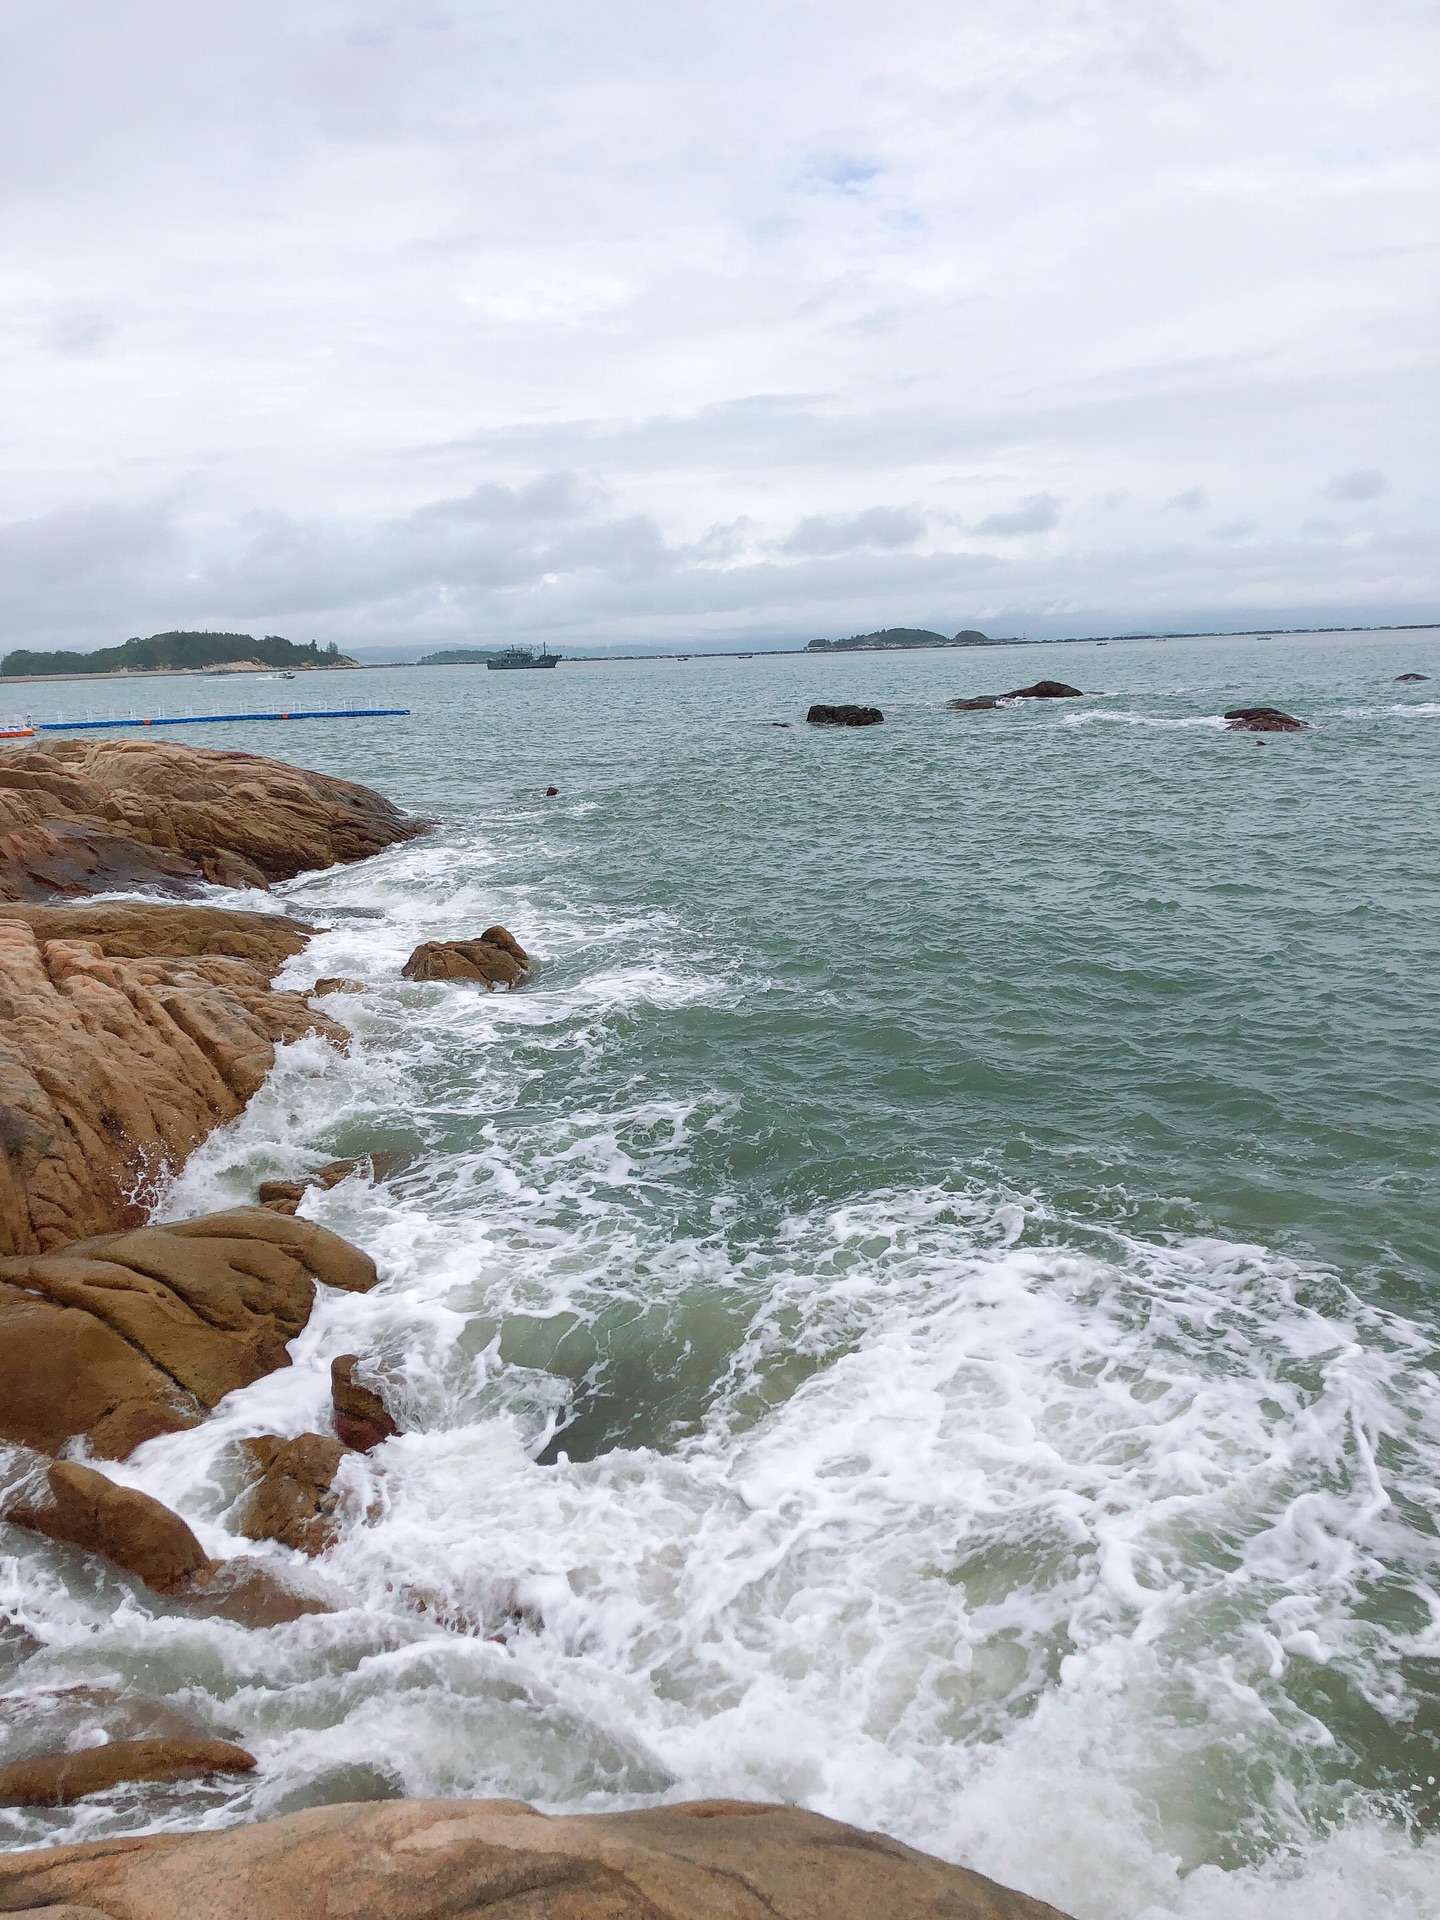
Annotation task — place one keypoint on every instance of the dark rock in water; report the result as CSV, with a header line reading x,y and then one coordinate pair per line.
x,y
781,723
295,1502
56,1779
822,716
361,1419
551,792
284,1196
1263,720
1412,676
1045,690
1042,690
496,959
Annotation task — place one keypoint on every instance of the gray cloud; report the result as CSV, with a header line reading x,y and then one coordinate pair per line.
x,y
1038,514
886,528
1366,483
1188,501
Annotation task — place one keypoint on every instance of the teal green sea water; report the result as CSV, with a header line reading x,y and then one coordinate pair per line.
x,y
927,1304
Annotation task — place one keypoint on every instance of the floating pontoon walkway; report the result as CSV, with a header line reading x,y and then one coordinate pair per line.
x,y
214,719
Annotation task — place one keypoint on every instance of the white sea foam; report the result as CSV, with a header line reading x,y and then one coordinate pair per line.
x,y
1019,1538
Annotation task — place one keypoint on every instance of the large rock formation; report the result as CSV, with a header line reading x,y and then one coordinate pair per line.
x,y
80,816
129,1032
1041,690
500,1859
133,1334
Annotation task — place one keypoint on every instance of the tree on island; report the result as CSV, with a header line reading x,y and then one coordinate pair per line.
x,y
178,651
899,637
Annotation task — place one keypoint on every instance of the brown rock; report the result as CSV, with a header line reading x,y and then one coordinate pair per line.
x,y
82,816
419,1859
283,1196
134,1532
55,1779
114,1066
986,704
336,983
295,1502
361,1419
844,716
496,958
133,1334
1045,690
1262,720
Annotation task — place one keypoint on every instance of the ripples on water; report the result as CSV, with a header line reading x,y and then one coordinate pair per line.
x,y
924,1308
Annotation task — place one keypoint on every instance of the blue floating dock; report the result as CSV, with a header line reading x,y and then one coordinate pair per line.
x,y
214,719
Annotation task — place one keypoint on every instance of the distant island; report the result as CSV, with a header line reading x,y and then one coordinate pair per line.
x,y
896,637
177,653
457,657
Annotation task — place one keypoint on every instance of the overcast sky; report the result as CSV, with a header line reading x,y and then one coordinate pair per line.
x,y
651,321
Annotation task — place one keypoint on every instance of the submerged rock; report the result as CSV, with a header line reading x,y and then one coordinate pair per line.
x,y
335,983
1412,676
133,1334
496,959
985,704
284,1196
1262,720
822,716
56,1779
361,1418
416,1859
295,1502
85,816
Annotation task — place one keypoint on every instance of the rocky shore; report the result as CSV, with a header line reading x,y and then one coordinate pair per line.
x,y
128,1030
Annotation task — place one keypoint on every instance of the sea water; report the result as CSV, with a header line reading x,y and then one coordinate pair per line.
x,y
925,1307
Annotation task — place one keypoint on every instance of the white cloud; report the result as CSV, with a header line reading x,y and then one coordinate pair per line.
x,y
382,321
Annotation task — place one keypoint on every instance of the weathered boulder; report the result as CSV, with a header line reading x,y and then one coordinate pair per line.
x,y
362,1419
497,959
295,1501
132,1334
82,816
77,1507
116,1061
843,716
55,1779
142,1536
1262,720
335,983
421,1859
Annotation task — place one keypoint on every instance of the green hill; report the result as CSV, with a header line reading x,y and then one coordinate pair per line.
x,y
457,657
896,637
177,650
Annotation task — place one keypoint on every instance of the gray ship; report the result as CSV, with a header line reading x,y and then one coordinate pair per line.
x,y
515,657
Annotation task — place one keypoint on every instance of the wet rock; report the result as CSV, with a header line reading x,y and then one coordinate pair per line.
x,y
551,793
985,704
1045,690
414,1859
133,1334
129,1033
85,816
361,1418
1262,720
295,1502
335,983
823,716
1412,676
141,1536
56,1779
284,1196
497,959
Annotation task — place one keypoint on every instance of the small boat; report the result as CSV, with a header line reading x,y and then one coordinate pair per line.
x,y
287,676
516,657
17,733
